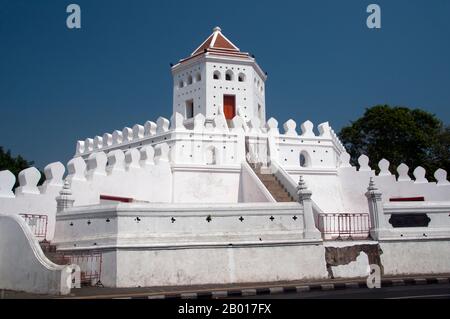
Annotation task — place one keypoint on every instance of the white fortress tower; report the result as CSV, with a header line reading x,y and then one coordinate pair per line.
x,y
219,79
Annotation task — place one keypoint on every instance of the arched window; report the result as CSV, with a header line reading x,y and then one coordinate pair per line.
x,y
198,77
229,75
216,75
189,81
241,77
180,84
305,161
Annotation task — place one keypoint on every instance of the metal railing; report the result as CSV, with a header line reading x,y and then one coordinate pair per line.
x,y
344,226
38,225
90,265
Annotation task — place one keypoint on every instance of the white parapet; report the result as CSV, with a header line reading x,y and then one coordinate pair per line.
x,y
231,240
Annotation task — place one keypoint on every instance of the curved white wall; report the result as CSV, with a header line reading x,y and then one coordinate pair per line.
x,y
23,265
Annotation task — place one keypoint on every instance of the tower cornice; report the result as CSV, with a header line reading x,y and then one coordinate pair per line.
x,y
218,58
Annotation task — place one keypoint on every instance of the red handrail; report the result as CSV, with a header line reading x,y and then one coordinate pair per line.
x,y
344,225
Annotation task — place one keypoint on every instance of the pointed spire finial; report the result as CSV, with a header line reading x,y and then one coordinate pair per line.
x,y
217,29
372,185
66,191
301,183
304,194
65,199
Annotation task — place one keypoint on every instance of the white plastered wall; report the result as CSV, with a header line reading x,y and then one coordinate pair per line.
x,y
23,265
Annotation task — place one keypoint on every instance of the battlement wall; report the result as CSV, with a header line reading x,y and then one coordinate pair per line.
x,y
354,182
198,141
28,197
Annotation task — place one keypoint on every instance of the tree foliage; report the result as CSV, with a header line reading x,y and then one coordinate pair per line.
x,y
400,135
13,164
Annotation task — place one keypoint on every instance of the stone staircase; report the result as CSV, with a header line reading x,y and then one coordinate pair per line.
x,y
273,185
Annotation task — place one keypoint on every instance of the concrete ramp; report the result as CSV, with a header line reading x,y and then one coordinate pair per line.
x,y
23,265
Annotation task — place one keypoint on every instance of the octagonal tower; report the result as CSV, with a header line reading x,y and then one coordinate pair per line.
x,y
217,79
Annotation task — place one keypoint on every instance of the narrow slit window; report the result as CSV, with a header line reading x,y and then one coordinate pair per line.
x,y
189,109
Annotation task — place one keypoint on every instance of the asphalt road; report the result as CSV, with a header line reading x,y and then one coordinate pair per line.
x,y
441,291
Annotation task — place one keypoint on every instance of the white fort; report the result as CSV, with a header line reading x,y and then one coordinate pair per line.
x,y
218,194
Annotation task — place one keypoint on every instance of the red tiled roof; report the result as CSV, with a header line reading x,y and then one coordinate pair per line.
x,y
216,41
217,44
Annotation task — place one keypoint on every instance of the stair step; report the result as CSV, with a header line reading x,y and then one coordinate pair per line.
x,y
268,179
274,186
283,197
47,247
281,194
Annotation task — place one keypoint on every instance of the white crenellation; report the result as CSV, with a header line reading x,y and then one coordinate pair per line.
x,y
98,143
96,164
127,135
132,158
306,151
150,128
117,137
242,114
254,125
199,122
147,156
289,128
419,175
7,181
177,122
318,151
363,162
237,124
89,145
138,132
162,125
116,161
324,130
162,153
28,180
107,140
383,165
80,149
344,160
220,124
402,171
54,174
76,169
441,177
307,129
272,126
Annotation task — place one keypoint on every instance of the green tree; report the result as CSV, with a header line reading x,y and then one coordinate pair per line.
x,y
400,135
13,164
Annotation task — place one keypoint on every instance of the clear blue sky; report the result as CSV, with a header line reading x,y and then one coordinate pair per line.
x,y
59,85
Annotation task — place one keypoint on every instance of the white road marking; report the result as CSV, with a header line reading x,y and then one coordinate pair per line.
x,y
420,297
